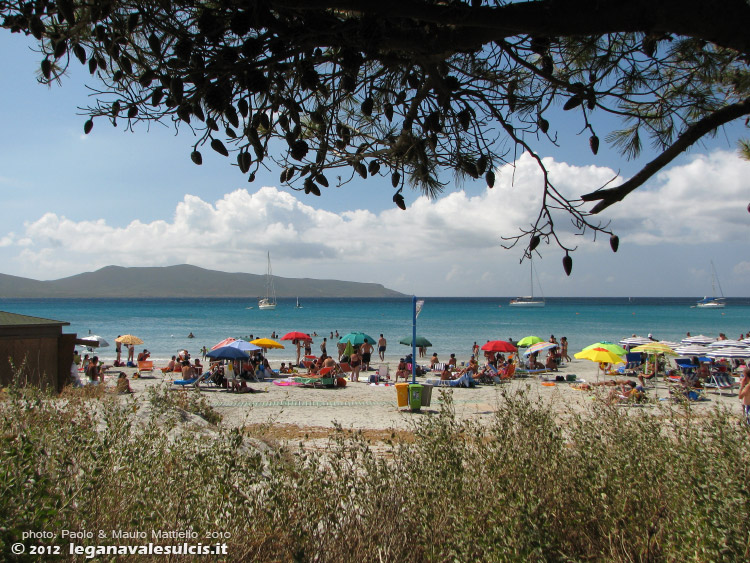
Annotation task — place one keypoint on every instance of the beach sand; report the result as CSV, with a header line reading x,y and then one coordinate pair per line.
x,y
362,406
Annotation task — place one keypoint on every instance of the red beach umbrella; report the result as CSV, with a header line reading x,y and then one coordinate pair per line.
x,y
296,335
499,346
223,343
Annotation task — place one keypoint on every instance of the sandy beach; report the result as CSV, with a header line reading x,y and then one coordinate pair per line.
x,y
363,406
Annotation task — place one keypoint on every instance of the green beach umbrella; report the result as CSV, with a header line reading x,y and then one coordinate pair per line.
x,y
349,350
357,338
422,342
528,341
614,348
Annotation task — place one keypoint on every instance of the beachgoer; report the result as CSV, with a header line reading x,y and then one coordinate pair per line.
x,y
381,348
356,363
198,366
123,384
329,362
118,349
452,360
564,349
131,354
143,356
551,364
366,351
473,365
191,335
323,350
204,351
296,342
170,365
475,349
434,360
340,348
422,351
188,371
402,370
93,370
308,349
744,393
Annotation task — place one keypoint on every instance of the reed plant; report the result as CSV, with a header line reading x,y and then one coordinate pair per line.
x,y
608,484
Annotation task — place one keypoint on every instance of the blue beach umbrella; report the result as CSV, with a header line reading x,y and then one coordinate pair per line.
x,y
357,338
227,353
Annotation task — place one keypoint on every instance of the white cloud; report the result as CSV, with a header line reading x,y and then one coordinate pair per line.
x,y
448,246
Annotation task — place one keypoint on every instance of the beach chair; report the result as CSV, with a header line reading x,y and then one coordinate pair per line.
x,y
345,368
633,361
438,367
145,366
382,373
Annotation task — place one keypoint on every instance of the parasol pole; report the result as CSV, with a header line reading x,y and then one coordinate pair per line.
x,y
414,340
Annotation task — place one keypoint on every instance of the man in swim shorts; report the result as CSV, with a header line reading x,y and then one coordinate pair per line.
x,y
381,348
366,351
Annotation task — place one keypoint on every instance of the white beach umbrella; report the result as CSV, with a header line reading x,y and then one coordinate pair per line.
x,y
746,341
669,343
95,341
692,350
729,352
699,339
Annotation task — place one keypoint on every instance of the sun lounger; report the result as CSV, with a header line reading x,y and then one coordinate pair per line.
x,y
145,366
326,377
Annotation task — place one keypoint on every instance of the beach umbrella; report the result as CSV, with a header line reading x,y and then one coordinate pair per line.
x,y
692,350
129,339
499,346
729,352
243,345
223,343
538,347
699,339
296,335
654,348
600,356
357,338
94,341
614,348
266,343
669,343
422,342
227,353
725,343
528,341
634,341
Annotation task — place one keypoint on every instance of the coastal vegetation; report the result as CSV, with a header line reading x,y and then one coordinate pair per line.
x,y
419,94
609,484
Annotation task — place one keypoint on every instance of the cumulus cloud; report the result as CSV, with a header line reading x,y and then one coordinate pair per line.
x,y
452,242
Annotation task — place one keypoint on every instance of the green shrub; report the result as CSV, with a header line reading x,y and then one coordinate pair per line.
x,y
608,484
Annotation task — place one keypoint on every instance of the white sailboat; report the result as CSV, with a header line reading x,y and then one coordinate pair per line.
x,y
529,301
298,306
269,301
712,302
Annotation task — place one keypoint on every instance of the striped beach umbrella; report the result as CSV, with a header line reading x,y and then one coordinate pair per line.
x,y
699,339
538,347
692,350
727,343
634,341
729,352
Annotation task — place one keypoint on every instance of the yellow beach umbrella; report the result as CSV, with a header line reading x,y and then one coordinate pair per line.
x,y
655,348
266,343
128,339
599,355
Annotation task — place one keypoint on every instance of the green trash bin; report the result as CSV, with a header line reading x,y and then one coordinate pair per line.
x,y
415,396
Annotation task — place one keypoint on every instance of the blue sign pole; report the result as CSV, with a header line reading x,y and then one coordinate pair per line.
x,y
414,340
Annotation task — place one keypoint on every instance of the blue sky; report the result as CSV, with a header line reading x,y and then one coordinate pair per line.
x,y
75,203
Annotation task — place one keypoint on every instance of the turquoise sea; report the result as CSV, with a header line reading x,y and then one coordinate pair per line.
x,y
451,324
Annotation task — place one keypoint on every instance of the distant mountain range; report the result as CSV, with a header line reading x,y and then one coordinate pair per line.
x,y
181,281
